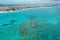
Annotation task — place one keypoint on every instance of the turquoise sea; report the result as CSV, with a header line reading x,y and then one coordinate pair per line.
x,y
31,24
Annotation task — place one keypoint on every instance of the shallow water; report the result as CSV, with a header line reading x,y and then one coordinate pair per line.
x,y
32,24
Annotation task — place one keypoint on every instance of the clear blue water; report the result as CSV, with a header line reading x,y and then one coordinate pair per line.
x,y
17,25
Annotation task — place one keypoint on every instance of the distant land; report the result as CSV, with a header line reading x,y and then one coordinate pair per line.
x,y
16,7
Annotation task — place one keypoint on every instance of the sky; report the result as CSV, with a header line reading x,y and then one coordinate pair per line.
x,y
27,1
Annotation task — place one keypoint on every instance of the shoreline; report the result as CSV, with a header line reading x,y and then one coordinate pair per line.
x,y
25,9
